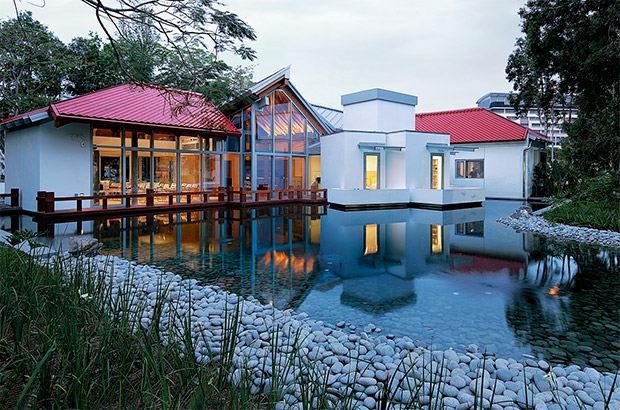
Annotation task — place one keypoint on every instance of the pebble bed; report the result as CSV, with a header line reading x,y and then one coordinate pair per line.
x,y
524,220
291,347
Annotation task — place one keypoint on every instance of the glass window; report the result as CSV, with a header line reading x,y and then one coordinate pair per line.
x,y
189,142
164,141
314,170
213,144
190,172
236,120
436,239
137,139
137,171
281,122
233,144
107,172
470,168
280,173
371,171
299,171
263,127
470,229
436,171
106,136
232,167
165,171
212,171
298,130
247,128
263,172
247,171
313,140
371,239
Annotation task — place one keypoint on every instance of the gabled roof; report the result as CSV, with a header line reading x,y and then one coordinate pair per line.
x,y
474,125
140,106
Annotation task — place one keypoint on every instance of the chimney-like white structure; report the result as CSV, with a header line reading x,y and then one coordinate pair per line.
x,y
378,110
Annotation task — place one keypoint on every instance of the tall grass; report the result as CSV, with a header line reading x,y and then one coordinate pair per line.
x,y
599,215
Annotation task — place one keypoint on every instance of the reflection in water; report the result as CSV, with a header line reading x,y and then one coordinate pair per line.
x,y
446,278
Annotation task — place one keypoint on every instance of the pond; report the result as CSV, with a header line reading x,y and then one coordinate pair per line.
x,y
447,279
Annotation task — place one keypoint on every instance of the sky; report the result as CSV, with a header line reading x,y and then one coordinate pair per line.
x,y
447,52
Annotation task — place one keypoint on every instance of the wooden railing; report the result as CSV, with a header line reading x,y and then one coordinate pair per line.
x,y
14,195
219,196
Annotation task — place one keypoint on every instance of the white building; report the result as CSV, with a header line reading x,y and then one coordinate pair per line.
x,y
380,159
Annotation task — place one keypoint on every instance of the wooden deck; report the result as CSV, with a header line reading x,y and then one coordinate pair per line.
x,y
164,202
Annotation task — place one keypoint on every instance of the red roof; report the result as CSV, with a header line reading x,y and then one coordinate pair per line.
x,y
143,106
472,125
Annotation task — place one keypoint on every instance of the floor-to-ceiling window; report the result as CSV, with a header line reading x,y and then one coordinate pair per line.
x,y
371,171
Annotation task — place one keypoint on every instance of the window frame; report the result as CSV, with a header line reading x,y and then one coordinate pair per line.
x,y
464,162
378,155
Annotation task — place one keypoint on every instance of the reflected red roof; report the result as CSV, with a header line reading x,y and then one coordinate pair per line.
x,y
472,125
143,106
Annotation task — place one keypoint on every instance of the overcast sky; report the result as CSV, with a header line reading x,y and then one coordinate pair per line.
x,y
447,52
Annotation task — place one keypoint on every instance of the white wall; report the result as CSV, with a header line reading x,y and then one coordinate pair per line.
x,y
45,158
503,169
379,115
419,158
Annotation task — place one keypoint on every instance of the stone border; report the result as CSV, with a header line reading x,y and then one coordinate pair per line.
x,y
289,346
523,219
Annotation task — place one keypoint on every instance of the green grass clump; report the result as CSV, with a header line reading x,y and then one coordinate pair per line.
x,y
599,215
59,349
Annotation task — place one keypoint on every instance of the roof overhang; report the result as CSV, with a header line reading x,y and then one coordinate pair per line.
x,y
25,120
377,146
451,149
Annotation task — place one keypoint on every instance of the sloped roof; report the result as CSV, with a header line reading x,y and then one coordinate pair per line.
x,y
143,106
473,125
331,115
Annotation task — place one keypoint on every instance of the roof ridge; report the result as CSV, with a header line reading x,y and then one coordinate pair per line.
x,y
326,107
452,111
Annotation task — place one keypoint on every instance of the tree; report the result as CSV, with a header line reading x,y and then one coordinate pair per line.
x,y
93,66
32,65
570,55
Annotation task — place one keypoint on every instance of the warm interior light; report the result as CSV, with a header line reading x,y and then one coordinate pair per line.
x,y
436,239
372,239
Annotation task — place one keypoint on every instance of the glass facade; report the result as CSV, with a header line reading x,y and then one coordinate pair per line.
x,y
277,149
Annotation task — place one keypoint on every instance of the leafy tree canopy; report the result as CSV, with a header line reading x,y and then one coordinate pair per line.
x,y
570,55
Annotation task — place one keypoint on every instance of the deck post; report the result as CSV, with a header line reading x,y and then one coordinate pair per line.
x,y
205,198
150,199
189,198
313,193
229,194
128,202
242,195
40,201
15,197
300,194
104,203
49,202
290,194
170,199
79,205
220,194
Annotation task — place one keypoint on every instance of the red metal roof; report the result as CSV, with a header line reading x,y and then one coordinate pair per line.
x,y
472,125
143,106
26,114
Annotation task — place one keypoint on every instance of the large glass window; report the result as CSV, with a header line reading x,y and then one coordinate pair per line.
x,y
298,131
247,171
137,171
263,172
189,143
137,139
213,144
280,173
470,168
263,126
313,140
105,136
281,122
233,168
314,170
247,128
165,171
371,171
164,141
190,172
299,171
107,175
212,171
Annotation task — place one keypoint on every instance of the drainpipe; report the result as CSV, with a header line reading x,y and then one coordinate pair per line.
x,y
525,150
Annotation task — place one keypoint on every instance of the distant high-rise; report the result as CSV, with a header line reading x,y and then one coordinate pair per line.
x,y
499,104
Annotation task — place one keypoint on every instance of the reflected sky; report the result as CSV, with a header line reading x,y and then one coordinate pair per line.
x,y
446,278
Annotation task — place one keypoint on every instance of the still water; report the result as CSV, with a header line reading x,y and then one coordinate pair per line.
x,y
448,278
